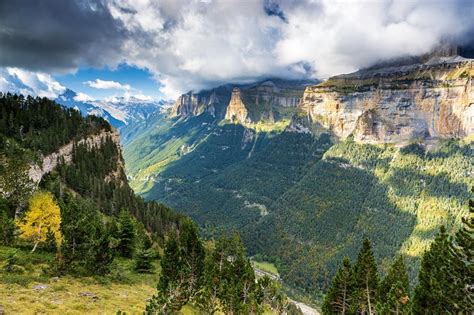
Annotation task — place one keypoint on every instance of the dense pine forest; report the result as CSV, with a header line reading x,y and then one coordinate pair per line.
x,y
83,220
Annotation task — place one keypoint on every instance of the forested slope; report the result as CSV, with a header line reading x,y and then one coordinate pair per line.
x,y
398,198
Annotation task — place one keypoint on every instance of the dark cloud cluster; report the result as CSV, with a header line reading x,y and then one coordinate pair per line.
x,y
272,8
58,34
193,44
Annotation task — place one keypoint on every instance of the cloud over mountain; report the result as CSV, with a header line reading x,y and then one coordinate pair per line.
x,y
105,85
197,44
29,83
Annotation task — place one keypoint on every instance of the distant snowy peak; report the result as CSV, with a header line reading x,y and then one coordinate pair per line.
x,y
119,111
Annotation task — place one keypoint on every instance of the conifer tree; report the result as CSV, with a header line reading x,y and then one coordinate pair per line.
x,y
101,254
238,292
126,234
272,294
50,244
366,280
432,294
397,272
463,248
394,289
143,261
7,224
338,298
207,298
86,246
447,274
181,269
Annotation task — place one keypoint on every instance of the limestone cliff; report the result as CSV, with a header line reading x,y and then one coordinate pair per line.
x,y
189,104
396,104
51,161
195,104
236,110
268,100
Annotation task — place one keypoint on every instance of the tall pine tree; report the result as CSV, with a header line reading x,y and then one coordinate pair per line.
x,y
339,296
394,290
181,268
126,234
433,292
463,248
446,277
366,280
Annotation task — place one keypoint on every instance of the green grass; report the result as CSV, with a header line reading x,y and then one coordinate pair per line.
x,y
123,289
266,266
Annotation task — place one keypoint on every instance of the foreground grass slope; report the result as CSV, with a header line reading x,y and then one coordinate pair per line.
x,y
34,291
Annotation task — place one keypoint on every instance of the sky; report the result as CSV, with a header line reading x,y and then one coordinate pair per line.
x,y
154,49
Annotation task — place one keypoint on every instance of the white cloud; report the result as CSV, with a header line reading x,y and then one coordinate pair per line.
x,y
137,96
29,83
83,97
108,85
196,44
341,36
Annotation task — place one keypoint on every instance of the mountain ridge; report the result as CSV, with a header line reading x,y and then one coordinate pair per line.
x,y
118,111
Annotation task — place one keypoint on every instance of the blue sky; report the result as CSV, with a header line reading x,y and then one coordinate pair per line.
x,y
140,80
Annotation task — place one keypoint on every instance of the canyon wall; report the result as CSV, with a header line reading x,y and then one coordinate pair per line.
x,y
396,105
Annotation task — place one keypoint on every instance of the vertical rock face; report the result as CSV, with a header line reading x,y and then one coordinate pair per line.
x,y
397,104
236,110
268,92
188,104
268,101
212,102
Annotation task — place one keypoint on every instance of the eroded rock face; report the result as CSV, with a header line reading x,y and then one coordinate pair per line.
x,y
51,161
195,104
397,105
268,101
236,110
188,104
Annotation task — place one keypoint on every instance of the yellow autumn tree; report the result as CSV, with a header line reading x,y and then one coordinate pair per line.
x,y
43,215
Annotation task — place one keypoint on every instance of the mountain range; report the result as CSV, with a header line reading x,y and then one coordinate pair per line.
x,y
118,111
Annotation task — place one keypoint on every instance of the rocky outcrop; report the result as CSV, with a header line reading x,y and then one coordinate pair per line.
x,y
397,104
51,161
187,104
236,110
195,104
266,102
